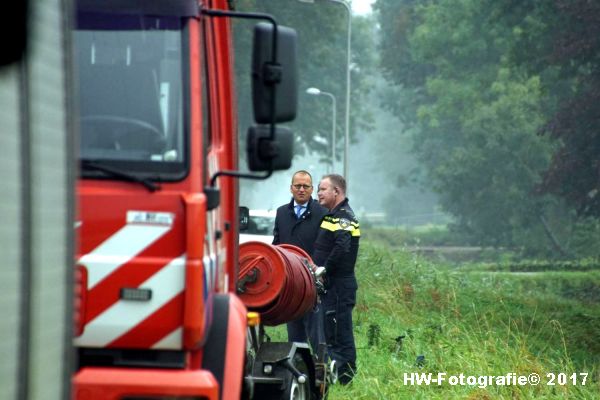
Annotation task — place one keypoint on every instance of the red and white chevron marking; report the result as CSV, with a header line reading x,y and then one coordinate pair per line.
x,y
114,264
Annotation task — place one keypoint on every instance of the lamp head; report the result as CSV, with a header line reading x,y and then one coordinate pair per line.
x,y
313,91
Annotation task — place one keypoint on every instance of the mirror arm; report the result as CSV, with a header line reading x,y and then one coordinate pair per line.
x,y
213,194
237,174
273,74
249,15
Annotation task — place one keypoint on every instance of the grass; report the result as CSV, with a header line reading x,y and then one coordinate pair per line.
x,y
427,235
413,315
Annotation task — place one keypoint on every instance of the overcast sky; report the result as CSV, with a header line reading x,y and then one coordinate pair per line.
x,y
361,6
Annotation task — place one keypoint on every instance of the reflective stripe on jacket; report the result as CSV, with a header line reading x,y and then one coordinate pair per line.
x,y
336,247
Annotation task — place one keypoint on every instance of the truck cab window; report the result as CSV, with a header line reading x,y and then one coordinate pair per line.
x,y
130,91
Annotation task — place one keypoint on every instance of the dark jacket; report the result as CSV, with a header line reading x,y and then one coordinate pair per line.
x,y
337,243
299,232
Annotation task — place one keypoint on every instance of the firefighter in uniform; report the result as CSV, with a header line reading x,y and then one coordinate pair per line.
x,y
336,249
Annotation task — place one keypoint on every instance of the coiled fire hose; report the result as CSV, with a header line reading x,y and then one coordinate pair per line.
x,y
276,281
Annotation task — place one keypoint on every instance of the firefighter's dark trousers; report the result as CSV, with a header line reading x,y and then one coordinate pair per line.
x,y
338,303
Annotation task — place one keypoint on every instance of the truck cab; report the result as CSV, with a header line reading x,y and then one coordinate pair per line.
x,y
157,315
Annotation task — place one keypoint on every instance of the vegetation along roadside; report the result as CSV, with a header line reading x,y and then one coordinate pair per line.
x,y
418,316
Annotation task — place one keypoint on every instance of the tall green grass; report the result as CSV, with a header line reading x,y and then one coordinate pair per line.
x,y
416,316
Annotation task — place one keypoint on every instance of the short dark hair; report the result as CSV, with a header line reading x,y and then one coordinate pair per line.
x,y
337,181
303,172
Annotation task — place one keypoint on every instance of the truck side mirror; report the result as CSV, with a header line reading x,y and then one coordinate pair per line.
x,y
14,29
266,153
276,75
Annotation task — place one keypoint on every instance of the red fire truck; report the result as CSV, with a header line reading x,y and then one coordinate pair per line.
x,y
158,267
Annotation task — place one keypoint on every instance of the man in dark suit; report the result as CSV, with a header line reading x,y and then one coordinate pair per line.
x,y
297,223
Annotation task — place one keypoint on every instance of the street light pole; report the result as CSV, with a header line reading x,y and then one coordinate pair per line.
x,y
348,47
347,122
318,92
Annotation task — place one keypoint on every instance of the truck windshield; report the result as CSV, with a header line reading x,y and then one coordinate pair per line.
x,y
130,97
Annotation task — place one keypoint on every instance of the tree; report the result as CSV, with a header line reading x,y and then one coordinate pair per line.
x,y
574,50
473,111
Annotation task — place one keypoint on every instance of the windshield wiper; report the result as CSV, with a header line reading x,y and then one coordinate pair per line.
x,y
116,173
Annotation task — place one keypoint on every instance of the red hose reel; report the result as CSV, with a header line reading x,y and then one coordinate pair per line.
x,y
276,281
